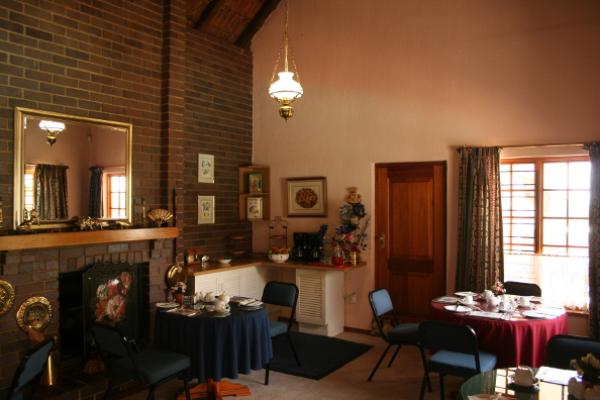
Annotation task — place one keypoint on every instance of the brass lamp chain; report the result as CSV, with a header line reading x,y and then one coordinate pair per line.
x,y
285,36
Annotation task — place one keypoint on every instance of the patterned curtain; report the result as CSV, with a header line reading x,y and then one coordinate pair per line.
x,y
50,191
95,206
594,150
480,261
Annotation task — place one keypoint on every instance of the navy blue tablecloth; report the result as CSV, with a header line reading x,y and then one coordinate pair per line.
x,y
218,347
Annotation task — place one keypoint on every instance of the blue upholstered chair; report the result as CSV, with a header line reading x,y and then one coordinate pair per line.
x,y
28,373
286,295
152,366
456,352
400,334
562,349
522,289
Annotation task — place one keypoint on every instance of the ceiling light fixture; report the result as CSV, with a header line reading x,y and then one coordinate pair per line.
x,y
52,129
285,89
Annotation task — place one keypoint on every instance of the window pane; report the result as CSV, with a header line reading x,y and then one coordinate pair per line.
x,y
505,178
121,200
555,232
579,204
555,175
555,251
523,178
504,167
555,204
523,167
114,200
523,230
122,184
578,232
578,252
523,203
579,175
524,213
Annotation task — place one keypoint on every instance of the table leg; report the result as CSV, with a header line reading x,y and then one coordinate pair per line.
x,y
216,390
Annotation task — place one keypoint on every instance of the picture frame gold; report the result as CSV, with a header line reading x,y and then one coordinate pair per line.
x,y
206,168
254,208
206,210
307,197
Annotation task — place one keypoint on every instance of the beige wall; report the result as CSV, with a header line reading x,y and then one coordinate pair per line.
x,y
394,81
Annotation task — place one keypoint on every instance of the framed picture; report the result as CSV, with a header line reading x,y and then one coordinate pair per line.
x,y
206,209
254,208
255,182
206,168
307,197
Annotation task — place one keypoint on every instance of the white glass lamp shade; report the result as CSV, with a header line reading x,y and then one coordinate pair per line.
x,y
52,126
285,88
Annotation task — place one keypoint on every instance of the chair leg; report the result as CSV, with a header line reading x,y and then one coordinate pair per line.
x,y
293,349
267,369
424,361
150,393
441,386
186,389
394,356
108,389
422,390
379,362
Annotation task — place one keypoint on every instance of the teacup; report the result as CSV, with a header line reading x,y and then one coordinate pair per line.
x,y
210,296
525,301
468,299
224,298
493,301
488,294
220,305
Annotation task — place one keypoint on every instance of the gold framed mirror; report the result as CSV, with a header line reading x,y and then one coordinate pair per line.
x,y
68,167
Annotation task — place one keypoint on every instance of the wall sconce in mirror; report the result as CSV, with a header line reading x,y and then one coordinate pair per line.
x,y
86,174
52,129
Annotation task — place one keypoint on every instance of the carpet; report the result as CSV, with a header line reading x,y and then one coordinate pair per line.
x,y
319,355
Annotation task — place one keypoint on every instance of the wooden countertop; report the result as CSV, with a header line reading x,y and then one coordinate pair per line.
x,y
213,267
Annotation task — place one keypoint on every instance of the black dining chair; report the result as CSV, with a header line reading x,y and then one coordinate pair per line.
x,y
150,366
522,289
29,372
282,294
400,334
562,349
455,352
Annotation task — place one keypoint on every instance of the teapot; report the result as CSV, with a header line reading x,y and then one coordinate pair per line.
x,y
493,301
221,306
524,376
224,297
488,294
209,297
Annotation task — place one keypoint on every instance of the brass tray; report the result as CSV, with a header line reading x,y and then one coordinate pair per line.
x,y
35,312
7,296
176,273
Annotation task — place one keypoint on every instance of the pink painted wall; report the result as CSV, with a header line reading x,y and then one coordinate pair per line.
x,y
395,81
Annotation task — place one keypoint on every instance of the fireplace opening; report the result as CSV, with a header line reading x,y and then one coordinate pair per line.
x,y
114,294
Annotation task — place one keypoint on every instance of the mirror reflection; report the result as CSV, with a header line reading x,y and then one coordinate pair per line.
x,y
72,167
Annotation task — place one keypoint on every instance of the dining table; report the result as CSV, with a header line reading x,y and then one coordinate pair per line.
x,y
220,345
518,337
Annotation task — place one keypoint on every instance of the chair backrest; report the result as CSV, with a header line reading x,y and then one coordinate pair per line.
x,y
441,335
562,349
381,303
281,294
110,341
522,288
30,369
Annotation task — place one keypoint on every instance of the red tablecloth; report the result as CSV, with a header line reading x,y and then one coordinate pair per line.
x,y
515,342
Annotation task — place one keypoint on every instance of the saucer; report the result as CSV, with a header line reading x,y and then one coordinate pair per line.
x,y
533,388
167,305
458,309
467,303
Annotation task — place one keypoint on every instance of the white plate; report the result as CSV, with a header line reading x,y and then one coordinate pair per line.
x,y
167,305
463,294
535,315
467,303
446,300
458,309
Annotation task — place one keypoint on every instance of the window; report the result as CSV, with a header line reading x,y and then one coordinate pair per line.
x,y
28,192
117,188
545,206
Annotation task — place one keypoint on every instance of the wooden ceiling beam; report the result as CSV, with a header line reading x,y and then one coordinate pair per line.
x,y
206,13
254,25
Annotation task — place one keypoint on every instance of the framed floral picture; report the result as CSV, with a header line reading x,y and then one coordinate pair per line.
x,y
206,210
206,168
255,182
254,207
307,197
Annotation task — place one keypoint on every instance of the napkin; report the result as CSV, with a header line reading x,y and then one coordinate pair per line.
x,y
250,303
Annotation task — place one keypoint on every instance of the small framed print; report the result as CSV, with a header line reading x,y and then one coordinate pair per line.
x,y
206,210
254,208
255,182
307,197
206,168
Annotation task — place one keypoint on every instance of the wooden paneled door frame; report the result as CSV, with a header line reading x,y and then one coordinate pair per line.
x,y
416,271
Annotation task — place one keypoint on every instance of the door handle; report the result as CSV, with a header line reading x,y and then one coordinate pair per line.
x,y
381,240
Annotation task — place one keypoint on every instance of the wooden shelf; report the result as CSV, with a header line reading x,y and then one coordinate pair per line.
x,y
66,239
245,193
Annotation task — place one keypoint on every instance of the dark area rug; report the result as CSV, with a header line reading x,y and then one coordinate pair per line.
x,y
319,355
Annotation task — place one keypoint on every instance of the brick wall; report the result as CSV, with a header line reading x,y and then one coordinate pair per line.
x,y
129,61
218,121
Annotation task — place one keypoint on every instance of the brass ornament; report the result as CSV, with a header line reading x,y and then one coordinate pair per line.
x,y
176,273
36,313
7,296
160,216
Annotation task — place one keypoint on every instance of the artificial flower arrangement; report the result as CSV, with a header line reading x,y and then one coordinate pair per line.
x,y
498,288
588,367
179,288
351,235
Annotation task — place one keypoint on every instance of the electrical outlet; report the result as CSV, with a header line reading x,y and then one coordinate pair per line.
x,y
352,298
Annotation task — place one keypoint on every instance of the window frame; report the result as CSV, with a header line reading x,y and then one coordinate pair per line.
x,y
539,198
109,208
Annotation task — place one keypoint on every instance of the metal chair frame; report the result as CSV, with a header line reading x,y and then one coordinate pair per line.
x,y
522,288
15,386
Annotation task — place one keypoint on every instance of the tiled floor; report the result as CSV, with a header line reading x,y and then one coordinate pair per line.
x,y
401,381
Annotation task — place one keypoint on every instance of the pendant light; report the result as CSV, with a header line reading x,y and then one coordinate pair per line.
x,y
52,129
285,89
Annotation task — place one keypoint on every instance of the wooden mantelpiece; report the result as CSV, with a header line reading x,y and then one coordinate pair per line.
x,y
66,239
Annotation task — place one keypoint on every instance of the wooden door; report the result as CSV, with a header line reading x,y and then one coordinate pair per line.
x,y
410,228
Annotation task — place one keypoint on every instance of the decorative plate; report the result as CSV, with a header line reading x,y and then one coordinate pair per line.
x,y
35,312
160,216
176,273
7,296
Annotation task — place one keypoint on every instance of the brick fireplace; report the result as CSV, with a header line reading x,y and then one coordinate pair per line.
x,y
36,273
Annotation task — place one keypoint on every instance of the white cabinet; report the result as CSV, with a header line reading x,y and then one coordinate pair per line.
x,y
248,281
